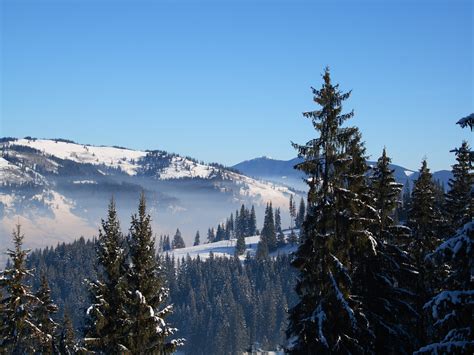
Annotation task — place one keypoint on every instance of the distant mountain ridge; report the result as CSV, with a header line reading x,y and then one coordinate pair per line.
x,y
283,172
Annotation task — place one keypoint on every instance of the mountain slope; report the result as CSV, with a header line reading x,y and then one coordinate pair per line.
x,y
58,190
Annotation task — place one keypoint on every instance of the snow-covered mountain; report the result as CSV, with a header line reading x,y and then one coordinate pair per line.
x,y
58,189
283,172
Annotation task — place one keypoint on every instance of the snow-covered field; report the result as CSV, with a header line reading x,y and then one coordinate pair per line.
x,y
225,248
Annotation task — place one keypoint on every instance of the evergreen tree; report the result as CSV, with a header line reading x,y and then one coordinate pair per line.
x,y
424,223
146,330
43,313
240,245
178,241
280,236
450,310
385,282
252,222
18,332
211,235
423,219
108,314
386,193
460,198
67,338
220,234
328,319
301,214
197,239
166,243
292,210
268,231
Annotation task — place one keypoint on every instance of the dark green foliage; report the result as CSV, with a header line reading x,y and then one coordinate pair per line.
x,y
240,245
278,230
43,312
301,214
19,332
178,241
67,338
423,219
268,233
449,312
146,330
211,235
225,307
108,314
328,318
197,239
460,198
385,282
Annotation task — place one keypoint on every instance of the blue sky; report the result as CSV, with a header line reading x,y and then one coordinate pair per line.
x,y
227,80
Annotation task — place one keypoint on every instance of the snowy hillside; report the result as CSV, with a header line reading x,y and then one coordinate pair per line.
x,y
225,248
59,189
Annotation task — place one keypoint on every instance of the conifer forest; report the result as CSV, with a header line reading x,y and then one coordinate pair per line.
x,y
364,266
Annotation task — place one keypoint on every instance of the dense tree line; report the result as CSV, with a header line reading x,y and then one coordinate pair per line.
x,y
367,283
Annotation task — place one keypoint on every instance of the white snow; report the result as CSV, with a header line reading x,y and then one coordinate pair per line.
x,y
225,248
124,159
184,168
409,172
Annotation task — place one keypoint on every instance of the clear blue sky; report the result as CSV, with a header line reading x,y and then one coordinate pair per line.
x,y
227,80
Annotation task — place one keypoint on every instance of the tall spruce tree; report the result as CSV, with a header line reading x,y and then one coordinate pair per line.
x,y
385,283
19,333
301,214
327,318
424,223
278,230
147,331
108,314
252,222
43,315
268,231
460,198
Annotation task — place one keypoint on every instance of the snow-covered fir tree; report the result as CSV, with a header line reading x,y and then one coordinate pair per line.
x,y
19,333
386,279
67,343
450,329
423,219
43,313
327,318
147,331
108,313
449,312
